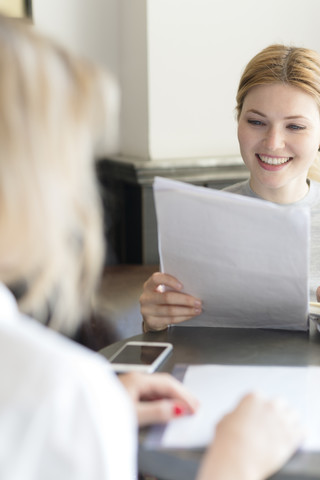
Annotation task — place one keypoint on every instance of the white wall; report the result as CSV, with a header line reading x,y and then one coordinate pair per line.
x,y
86,27
196,52
178,61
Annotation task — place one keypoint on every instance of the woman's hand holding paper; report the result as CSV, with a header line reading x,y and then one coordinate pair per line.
x,y
163,303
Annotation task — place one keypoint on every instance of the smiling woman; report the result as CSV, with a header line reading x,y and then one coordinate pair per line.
x,y
278,112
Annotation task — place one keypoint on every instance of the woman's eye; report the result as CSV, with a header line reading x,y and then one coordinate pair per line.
x,y
292,126
255,122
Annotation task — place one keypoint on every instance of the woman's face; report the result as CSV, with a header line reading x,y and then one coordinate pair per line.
x,y
279,136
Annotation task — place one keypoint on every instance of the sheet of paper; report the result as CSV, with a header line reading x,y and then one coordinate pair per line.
x,y
219,388
247,259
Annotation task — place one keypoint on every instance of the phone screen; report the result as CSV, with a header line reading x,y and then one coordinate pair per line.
x,y
138,354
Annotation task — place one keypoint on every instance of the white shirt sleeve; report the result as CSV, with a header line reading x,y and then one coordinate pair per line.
x,y
63,413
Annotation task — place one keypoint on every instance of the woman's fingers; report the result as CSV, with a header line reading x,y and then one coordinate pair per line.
x,y
164,385
159,411
256,438
158,397
172,298
162,302
159,278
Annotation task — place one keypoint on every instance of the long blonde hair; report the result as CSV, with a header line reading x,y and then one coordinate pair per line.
x,y
54,111
299,67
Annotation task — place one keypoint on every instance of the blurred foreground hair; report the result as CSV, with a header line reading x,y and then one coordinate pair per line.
x,y
56,112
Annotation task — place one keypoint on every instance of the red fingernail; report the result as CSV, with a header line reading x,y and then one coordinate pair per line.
x,y
178,411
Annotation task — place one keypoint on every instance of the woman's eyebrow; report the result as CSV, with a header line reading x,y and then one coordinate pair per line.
x,y
252,110
289,117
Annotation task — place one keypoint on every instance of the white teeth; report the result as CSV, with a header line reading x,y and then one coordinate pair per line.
x,y
273,161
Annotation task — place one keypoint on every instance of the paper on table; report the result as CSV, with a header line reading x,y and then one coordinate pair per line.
x,y
247,259
219,388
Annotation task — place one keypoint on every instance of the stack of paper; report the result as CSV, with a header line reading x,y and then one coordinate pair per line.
x,y
247,259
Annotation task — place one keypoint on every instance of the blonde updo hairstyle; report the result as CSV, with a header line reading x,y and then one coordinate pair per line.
x,y
55,111
298,67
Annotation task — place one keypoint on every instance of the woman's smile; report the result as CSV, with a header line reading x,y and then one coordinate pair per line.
x,y
271,163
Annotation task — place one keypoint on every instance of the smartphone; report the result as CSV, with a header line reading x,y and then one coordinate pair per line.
x,y
140,356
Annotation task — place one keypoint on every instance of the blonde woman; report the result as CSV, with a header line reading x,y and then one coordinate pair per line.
x,y
278,112
63,413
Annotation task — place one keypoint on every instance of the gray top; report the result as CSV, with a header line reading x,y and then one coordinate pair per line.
x,y
312,201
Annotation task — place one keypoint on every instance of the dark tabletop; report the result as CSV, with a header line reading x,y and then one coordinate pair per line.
x,y
193,345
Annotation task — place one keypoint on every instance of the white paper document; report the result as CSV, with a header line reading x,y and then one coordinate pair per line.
x,y
219,389
245,258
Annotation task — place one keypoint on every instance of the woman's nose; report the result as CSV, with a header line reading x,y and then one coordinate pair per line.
x,y
274,139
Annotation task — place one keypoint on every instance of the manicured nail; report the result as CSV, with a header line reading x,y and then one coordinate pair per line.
x,y
178,411
197,303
